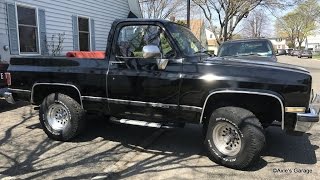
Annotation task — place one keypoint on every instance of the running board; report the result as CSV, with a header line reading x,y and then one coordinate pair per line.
x,y
144,123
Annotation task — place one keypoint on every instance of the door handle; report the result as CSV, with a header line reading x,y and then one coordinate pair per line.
x,y
116,62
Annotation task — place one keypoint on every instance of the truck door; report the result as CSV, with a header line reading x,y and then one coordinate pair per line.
x,y
137,88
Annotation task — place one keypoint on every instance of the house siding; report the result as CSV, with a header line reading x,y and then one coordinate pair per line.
x,y
3,19
58,15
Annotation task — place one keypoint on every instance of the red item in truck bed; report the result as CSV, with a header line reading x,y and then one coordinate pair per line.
x,y
86,54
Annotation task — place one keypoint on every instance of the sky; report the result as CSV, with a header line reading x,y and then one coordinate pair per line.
x,y
272,16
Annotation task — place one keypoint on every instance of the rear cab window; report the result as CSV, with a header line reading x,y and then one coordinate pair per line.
x,y
243,48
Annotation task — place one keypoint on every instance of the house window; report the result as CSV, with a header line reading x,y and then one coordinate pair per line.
x,y
210,36
84,34
28,30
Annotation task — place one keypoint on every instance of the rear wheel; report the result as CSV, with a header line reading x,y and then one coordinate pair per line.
x,y
61,117
234,137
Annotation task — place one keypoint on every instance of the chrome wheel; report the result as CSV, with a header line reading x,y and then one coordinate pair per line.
x,y
58,116
226,138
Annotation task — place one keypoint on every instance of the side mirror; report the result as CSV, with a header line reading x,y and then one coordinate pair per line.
x,y
151,51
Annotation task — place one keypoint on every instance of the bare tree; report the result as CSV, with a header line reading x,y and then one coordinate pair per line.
x,y
55,45
161,9
229,13
256,25
286,27
300,23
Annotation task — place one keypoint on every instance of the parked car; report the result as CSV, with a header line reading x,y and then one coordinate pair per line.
x,y
281,52
253,49
156,74
3,79
289,50
295,52
305,53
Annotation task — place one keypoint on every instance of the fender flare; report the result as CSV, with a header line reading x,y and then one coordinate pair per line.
x,y
56,84
247,91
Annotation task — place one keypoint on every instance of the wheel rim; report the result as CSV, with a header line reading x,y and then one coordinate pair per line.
x,y
58,116
226,138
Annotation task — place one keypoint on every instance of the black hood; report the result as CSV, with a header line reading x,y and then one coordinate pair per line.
x,y
255,63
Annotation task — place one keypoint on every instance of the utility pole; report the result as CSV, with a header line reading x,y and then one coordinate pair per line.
x,y
188,13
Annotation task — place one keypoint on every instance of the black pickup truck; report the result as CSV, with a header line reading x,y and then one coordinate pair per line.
x,y
3,79
156,74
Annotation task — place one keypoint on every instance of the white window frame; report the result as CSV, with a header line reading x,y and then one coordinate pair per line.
x,y
89,24
37,23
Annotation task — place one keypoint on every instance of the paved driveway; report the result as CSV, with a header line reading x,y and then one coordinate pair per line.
x,y
117,151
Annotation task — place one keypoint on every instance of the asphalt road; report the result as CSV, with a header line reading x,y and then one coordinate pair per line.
x,y
109,151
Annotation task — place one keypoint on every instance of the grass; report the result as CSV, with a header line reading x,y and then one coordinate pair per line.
x,y
316,57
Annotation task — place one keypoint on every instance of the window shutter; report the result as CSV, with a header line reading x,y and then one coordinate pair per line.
x,y
93,36
75,33
43,34
13,29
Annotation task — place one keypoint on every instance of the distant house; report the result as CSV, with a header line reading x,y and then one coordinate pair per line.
x,y
212,42
27,26
279,43
312,42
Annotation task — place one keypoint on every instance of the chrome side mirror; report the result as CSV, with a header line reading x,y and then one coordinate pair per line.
x,y
151,51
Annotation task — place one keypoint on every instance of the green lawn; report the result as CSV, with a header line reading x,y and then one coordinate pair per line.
x,y
316,57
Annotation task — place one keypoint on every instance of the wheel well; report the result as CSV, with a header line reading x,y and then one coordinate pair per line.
x,y
39,92
265,108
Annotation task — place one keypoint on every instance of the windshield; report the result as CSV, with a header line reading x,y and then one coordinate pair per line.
x,y
185,39
258,48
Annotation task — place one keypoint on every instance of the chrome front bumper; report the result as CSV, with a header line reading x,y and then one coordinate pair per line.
x,y
305,121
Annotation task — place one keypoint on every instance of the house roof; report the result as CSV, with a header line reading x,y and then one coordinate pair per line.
x,y
195,26
212,42
135,8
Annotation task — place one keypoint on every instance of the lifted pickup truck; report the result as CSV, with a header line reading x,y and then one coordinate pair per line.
x,y
156,74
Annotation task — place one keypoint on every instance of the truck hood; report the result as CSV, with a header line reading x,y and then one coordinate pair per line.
x,y
255,63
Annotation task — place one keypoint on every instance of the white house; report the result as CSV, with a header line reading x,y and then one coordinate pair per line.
x,y
212,42
26,26
279,43
313,42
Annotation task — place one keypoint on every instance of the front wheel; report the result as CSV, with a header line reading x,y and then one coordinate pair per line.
x,y
234,137
61,117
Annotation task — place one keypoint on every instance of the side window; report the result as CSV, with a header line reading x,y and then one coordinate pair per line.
x,y
132,39
84,34
28,30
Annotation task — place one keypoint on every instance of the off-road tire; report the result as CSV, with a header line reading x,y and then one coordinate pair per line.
x,y
249,129
72,127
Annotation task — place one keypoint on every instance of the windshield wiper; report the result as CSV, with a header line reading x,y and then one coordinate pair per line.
x,y
248,54
204,52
